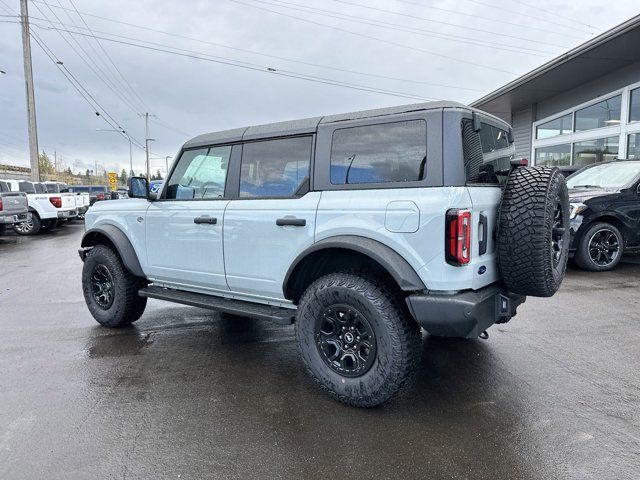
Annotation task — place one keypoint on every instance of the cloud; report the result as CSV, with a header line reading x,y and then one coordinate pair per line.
x,y
191,96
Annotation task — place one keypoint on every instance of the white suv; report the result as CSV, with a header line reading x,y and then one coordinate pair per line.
x,y
360,228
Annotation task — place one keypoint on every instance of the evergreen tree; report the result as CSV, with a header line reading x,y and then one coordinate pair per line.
x,y
123,177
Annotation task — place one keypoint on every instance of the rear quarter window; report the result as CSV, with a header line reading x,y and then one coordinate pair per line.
x,y
380,153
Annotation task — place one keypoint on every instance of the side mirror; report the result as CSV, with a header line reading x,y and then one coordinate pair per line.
x,y
138,187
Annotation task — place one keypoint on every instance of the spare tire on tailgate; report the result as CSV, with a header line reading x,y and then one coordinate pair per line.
x,y
533,231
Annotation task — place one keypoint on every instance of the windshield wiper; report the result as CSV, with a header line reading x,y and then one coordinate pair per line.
x,y
586,186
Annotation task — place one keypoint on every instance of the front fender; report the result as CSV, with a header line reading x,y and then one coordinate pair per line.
x,y
116,237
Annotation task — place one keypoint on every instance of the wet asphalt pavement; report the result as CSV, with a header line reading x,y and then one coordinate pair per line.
x,y
188,394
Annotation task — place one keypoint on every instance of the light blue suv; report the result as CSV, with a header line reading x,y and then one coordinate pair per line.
x,y
359,228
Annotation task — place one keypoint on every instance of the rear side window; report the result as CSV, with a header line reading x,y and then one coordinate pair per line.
x,y
382,153
486,153
26,187
200,174
40,188
4,187
274,168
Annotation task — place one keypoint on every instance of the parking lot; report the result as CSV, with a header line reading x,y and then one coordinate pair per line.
x,y
186,393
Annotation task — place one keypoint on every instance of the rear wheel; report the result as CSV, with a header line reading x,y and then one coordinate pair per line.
x,y
356,338
30,226
600,248
110,290
48,225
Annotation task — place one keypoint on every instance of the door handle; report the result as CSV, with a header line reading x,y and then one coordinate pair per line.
x,y
291,221
482,245
205,219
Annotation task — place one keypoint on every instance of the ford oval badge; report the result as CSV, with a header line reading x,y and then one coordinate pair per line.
x,y
482,269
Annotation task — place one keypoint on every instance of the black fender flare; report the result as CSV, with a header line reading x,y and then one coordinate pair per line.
x,y
119,240
403,273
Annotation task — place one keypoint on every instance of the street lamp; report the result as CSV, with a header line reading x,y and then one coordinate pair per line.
x,y
128,138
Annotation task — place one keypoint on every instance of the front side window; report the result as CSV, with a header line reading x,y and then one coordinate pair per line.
x,y
554,156
633,146
274,168
200,174
595,151
601,114
389,152
559,126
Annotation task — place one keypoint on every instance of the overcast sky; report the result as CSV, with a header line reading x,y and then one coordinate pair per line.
x,y
425,49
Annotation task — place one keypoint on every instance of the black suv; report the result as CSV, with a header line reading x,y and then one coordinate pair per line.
x,y
605,213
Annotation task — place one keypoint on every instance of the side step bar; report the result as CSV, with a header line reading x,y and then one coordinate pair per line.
x,y
281,316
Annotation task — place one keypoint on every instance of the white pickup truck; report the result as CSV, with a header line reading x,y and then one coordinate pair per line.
x,y
44,208
82,198
13,207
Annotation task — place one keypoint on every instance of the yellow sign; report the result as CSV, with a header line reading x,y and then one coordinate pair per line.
x,y
113,180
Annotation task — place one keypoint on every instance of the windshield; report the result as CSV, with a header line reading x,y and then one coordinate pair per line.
x,y
606,175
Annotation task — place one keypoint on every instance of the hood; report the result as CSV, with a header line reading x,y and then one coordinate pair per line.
x,y
580,195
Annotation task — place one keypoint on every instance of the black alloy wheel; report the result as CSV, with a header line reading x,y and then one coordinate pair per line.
x,y
345,340
558,232
102,286
604,247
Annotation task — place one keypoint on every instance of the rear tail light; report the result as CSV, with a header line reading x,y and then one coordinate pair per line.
x,y
56,201
100,196
1,204
458,237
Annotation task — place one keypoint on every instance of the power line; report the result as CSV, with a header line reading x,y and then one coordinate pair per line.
x,y
537,7
497,20
89,61
246,65
124,79
413,30
84,93
371,37
416,17
253,52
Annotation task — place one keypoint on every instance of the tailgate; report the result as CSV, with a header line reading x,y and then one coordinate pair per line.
x,y
14,203
68,201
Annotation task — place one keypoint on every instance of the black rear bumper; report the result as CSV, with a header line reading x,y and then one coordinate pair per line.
x,y
465,314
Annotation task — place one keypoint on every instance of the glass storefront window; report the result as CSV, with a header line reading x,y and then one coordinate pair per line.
x,y
593,151
559,126
556,155
633,146
634,107
601,114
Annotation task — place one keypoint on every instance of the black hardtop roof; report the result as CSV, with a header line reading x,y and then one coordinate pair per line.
x,y
309,125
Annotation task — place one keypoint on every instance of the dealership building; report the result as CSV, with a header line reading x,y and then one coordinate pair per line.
x,y
581,107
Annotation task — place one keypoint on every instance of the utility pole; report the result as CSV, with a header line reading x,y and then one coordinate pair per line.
x,y
31,102
146,116
55,161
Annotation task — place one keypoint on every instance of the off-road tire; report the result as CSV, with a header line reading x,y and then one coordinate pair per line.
x,y
582,256
532,243
127,306
397,337
37,224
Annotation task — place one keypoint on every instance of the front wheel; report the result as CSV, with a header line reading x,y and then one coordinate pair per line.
x,y
600,248
356,338
110,290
